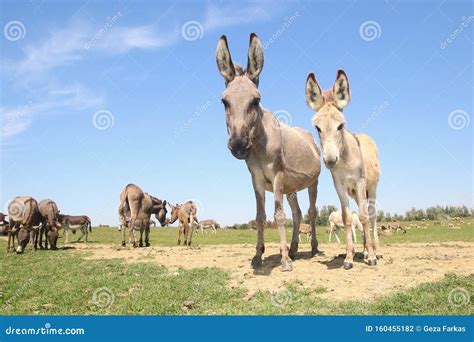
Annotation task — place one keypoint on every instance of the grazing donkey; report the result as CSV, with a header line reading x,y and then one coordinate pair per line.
x,y
74,223
186,213
50,224
208,223
351,158
280,158
336,222
25,220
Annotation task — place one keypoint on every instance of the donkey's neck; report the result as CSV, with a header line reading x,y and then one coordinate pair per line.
x,y
350,152
267,131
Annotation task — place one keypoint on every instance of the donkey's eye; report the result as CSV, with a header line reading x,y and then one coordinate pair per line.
x,y
318,129
255,102
341,126
226,104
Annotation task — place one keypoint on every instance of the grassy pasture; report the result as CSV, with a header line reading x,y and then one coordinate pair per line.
x,y
169,236
62,282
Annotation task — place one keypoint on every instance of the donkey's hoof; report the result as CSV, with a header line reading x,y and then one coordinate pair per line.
x,y
347,265
379,256
124,244
257,262
140,244
286,265
179,242
372,262
147,244
293,250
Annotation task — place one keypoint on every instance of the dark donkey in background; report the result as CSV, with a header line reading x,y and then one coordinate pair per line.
x,y
50,223
74,223
280,158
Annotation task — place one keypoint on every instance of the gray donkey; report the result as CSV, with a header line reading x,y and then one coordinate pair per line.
x,y
280,158
351,158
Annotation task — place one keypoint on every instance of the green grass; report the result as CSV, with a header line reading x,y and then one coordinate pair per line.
x,y
169,236
63,283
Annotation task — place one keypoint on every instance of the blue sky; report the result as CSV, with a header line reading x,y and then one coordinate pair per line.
x,y
95,95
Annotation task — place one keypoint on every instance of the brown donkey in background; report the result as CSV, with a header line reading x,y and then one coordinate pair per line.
x,y
351,158
280,158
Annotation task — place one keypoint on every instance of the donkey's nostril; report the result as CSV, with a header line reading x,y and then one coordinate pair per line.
x,y
239,147
330,162
238,143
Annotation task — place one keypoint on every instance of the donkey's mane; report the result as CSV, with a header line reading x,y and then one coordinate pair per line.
x,y
239,71
329,96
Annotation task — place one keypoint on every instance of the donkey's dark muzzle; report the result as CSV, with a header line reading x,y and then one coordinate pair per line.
x,y
239,147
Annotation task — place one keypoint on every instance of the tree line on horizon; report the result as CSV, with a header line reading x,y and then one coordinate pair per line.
x,y
431,213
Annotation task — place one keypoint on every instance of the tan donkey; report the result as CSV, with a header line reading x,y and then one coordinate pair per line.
x,y
280,158
186,213
351,158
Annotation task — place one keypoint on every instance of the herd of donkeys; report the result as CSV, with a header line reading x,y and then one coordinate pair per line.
x,y
30,220
281,159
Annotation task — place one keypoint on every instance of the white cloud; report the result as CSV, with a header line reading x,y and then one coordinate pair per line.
x,y
232,14
121,39
60,99
73,43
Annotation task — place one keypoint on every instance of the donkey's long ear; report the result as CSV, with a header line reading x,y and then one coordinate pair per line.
x,y
314,95
255,58
224,61
341,91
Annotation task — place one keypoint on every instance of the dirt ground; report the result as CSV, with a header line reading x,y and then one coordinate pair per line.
x,y
404,266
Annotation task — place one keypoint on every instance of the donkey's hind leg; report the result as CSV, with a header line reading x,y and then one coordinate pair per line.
x,y
296,214
147,234
373,222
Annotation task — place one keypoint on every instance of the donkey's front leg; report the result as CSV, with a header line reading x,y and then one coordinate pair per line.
x,y
296,215
347,219
261,217
313,213
286,263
